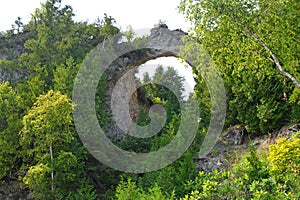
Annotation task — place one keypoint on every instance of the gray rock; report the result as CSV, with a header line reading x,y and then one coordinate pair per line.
x,y
12,191
122,95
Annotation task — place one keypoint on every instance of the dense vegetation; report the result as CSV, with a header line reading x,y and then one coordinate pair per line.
x,y
255,45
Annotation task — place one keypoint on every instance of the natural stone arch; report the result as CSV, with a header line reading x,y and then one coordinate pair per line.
x,y
110,62
162,42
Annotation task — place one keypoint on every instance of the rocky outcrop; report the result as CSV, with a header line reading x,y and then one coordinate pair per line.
x,y
12,191
11,47
234,139
234,142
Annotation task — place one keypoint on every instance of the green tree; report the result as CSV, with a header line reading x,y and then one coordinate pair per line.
x,y
47,128
55,158
10,125
60,38
129,33
169,89
146,78
64,77
272,25
17,26
254,45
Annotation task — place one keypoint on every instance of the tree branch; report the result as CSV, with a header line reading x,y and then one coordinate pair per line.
x,y
275,60
240,23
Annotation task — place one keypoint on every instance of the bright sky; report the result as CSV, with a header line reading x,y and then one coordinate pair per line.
x,y
139,14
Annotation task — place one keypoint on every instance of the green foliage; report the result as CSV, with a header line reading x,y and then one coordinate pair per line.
x,y
47,122
252,179
172,179
64,76
37,181
167,90
161,24
38,140
107,29
255,168
284,157
30,89
129,190
236,34
86,191
143,118
10,125
206,186
103,112
53,46
60,40
129,34
48,140
9,70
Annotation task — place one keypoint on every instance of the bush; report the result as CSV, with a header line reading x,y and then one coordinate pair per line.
x,y
284,157
130,191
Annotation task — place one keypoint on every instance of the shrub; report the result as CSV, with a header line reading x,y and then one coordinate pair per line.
x,y
284,157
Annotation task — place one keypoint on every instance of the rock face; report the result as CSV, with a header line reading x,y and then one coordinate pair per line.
x,y
10,50
122,95
12,191
234,142
234,139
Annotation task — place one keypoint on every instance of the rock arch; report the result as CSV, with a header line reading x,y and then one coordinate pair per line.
x,y
117,61
162,42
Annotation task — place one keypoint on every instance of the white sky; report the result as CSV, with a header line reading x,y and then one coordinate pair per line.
x,y
139,14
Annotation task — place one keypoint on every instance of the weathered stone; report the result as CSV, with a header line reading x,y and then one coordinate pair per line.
x,y
11,49
234,135
122,95
208,164
12,191
234,142
223,153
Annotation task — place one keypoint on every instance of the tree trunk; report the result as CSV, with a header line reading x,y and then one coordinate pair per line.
x,y
52,173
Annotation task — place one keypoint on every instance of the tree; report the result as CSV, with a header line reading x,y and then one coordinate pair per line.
x,y
54,156
107,28
146,77
64,77
254,45
161,24
47,127
272,25
129,33
165,88
10,125
170,88
60,38
18,26
53,44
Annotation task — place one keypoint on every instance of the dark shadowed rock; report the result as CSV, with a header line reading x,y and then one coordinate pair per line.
x,y
12,191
